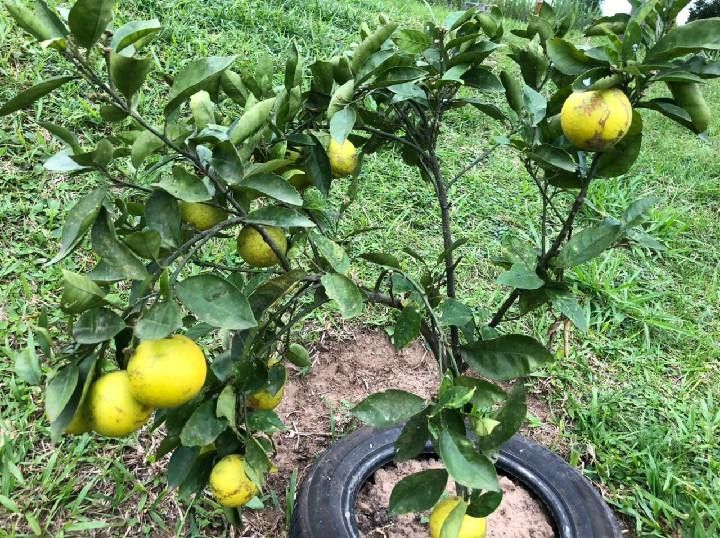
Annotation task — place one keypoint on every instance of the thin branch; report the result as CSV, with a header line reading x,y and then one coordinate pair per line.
x,y
477,160
552,251
389,136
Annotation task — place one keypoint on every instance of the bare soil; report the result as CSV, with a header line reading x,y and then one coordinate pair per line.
x,y
346,369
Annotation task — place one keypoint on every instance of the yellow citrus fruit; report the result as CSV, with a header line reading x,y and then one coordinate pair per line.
x,y
264,399
255,251
201,216
343,158
167,372
300,181
113,410
229,484
596,120
80,423
472,527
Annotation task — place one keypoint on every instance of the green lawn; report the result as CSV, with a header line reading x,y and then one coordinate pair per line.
x,y
636,397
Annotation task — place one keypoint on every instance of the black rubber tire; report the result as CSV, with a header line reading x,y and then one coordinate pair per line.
x,y
325,505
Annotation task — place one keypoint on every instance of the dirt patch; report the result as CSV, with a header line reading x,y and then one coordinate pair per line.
x,y
315,409
519,514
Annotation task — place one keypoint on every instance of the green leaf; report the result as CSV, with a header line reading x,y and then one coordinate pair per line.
x,y
64,162
97,325
407,327
62,134
567,58
227,163
29,96
203,427
298,355
506,357
453,397
180,464
569,306
555,157
116,256
270,291
345,293
381,258
455,313
144,145
257,461
418,492
511,417
282,217
80,293
263,420
293,68
389,407
413,437
333,253
226,405
161,320
482,79
128,73
59,390
692,37
644,239
216,302
273,186
78,221
522,277
635,213
27,365
486,393
184,186
465,464
197,476
203,110
88,19
589,243
535,103
484,504
253,119
196,76
145,244
342,123
162,214
136,33
42,24
413,41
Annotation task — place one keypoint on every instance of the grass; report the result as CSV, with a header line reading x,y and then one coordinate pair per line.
x,y
636,396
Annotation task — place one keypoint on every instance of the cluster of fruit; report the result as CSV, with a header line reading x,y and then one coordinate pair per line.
x,y
163,374
251,246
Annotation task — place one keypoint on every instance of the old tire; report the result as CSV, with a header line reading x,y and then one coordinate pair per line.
x,y
325,505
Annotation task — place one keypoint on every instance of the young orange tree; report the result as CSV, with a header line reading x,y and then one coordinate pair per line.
x,y
248,159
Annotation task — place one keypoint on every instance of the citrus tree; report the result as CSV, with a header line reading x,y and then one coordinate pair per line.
x,y
249,158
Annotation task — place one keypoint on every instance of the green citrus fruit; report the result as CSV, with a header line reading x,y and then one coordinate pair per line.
x,y
255,251
113,410
166,372
229,484
596,120
201,216
472,527
301,181
689,96
343,158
